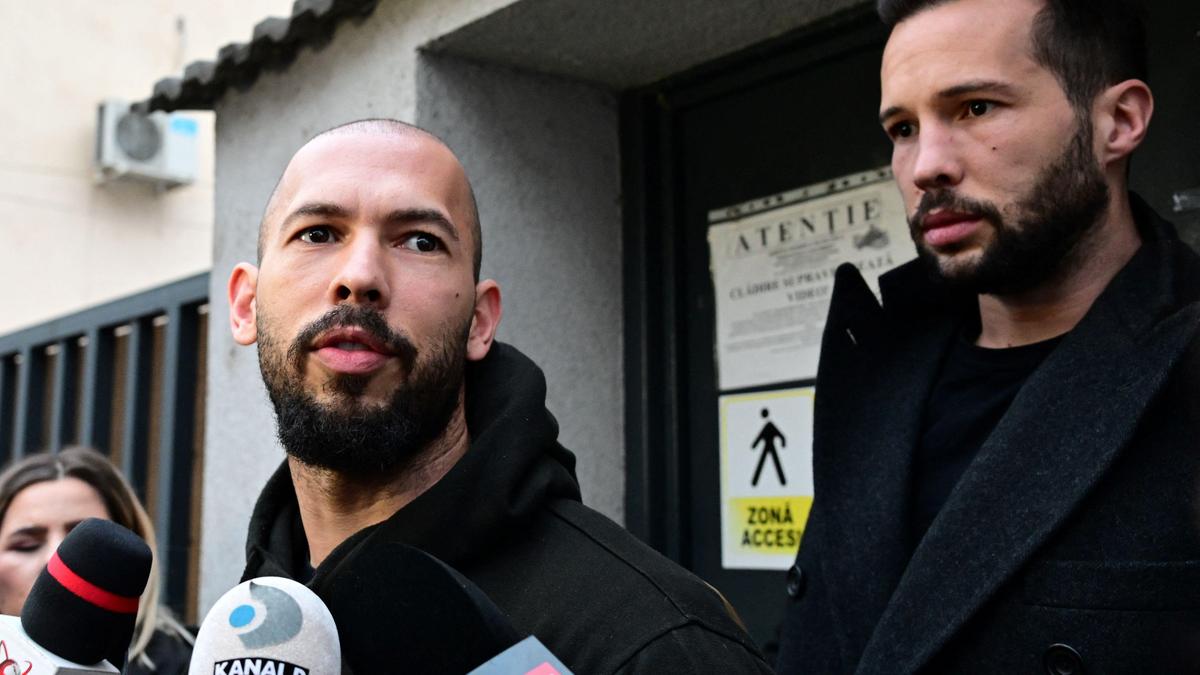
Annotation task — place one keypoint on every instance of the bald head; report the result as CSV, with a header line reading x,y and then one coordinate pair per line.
x,y
387,128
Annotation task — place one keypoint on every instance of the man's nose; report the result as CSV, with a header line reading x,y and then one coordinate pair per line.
x,y
938,164
362,274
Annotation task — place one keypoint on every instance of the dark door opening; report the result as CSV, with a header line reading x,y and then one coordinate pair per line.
x,y
788,115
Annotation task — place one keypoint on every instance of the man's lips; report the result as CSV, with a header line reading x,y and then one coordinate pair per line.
x,y
945,228
351,350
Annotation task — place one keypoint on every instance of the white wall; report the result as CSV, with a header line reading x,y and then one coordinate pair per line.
x,y
69,243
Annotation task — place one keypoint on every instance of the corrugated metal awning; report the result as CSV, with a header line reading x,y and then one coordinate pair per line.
x,y
274,45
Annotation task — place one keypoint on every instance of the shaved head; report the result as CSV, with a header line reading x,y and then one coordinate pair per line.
x,y
378,127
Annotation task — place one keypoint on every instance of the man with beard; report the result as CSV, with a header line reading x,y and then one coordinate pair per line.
x,y
405,422
1005,459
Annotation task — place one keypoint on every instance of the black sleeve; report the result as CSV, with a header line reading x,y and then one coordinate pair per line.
x,y
694,648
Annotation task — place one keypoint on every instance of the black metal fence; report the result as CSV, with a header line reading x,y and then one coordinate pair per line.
x,y
126,378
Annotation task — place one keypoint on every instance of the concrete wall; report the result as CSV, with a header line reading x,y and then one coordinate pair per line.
x,y
543,156
626,43
69,243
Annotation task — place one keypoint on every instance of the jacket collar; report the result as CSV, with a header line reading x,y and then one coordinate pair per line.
x,y
1040,462
877,367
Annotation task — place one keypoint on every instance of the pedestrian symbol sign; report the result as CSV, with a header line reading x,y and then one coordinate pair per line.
x,y
767,437
766,476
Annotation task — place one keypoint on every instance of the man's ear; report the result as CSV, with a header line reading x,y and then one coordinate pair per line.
x,y
1122,113
485,321
243,310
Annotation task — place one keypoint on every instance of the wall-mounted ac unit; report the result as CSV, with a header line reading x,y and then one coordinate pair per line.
x,y
158,147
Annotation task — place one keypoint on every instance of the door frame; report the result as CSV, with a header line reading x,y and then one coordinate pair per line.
x,y
657,493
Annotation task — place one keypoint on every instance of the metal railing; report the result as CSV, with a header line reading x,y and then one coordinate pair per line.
x,y
126,378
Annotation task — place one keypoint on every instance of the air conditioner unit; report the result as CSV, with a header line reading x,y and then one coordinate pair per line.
x,y
157,147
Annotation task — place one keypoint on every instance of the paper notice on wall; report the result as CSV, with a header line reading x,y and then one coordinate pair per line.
x,y
773,263
766,476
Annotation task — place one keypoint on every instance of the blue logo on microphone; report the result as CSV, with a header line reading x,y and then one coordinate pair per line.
x,y
281,623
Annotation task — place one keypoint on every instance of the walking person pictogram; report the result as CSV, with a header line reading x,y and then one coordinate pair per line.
x,y
767,437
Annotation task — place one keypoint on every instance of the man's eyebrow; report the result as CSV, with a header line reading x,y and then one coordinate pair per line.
x,y
419,215
978,87
883,116
959,90
318,209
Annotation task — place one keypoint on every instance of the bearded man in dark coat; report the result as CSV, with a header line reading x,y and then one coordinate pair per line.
x,y
1007,448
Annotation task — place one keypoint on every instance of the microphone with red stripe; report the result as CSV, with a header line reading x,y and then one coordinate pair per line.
x,y
84,604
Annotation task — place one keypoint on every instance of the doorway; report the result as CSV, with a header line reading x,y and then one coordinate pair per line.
x,y
792,113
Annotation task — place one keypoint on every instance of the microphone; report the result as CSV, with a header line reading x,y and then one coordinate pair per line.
x,y
401,610
267,626
82,607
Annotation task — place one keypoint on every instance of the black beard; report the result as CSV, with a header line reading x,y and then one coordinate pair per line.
x,y
1064,205
346,436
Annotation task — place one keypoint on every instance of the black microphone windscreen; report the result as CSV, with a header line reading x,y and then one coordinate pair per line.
x,y
84,603
406,611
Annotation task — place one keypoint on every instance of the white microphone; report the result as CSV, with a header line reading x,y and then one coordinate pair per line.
x,y
19,655
267,626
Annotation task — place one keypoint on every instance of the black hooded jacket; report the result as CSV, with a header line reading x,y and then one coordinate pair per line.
x,y
509,517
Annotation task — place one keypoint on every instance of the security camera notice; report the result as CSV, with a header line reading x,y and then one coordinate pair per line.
x,y
766,476
773,261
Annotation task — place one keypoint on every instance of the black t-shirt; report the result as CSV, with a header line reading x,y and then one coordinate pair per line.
x,y
973,391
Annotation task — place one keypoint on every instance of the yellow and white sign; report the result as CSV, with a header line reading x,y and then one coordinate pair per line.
x,y
766,476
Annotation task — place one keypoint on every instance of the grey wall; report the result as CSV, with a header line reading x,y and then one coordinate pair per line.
x,y
627,43
542,155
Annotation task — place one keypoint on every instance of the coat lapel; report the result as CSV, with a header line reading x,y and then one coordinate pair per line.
x,y
1059,437
870,414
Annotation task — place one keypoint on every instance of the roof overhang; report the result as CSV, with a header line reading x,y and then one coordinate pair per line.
x,y
274,45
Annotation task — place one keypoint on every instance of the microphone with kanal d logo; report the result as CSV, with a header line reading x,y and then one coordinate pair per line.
x,y
267,625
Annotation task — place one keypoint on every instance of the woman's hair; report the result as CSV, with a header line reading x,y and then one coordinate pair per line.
x,y
123,506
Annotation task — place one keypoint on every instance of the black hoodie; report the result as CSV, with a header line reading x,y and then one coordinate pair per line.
x,y
508,517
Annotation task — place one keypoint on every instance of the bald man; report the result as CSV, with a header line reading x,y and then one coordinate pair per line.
x,y
404,420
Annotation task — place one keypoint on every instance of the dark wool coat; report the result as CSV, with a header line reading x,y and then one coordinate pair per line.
x,y
508,517
1071,543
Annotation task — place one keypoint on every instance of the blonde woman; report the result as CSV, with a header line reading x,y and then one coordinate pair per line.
x,y
42,497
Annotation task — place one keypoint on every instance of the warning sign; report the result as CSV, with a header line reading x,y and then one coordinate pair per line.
x,y
773,262
766,476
